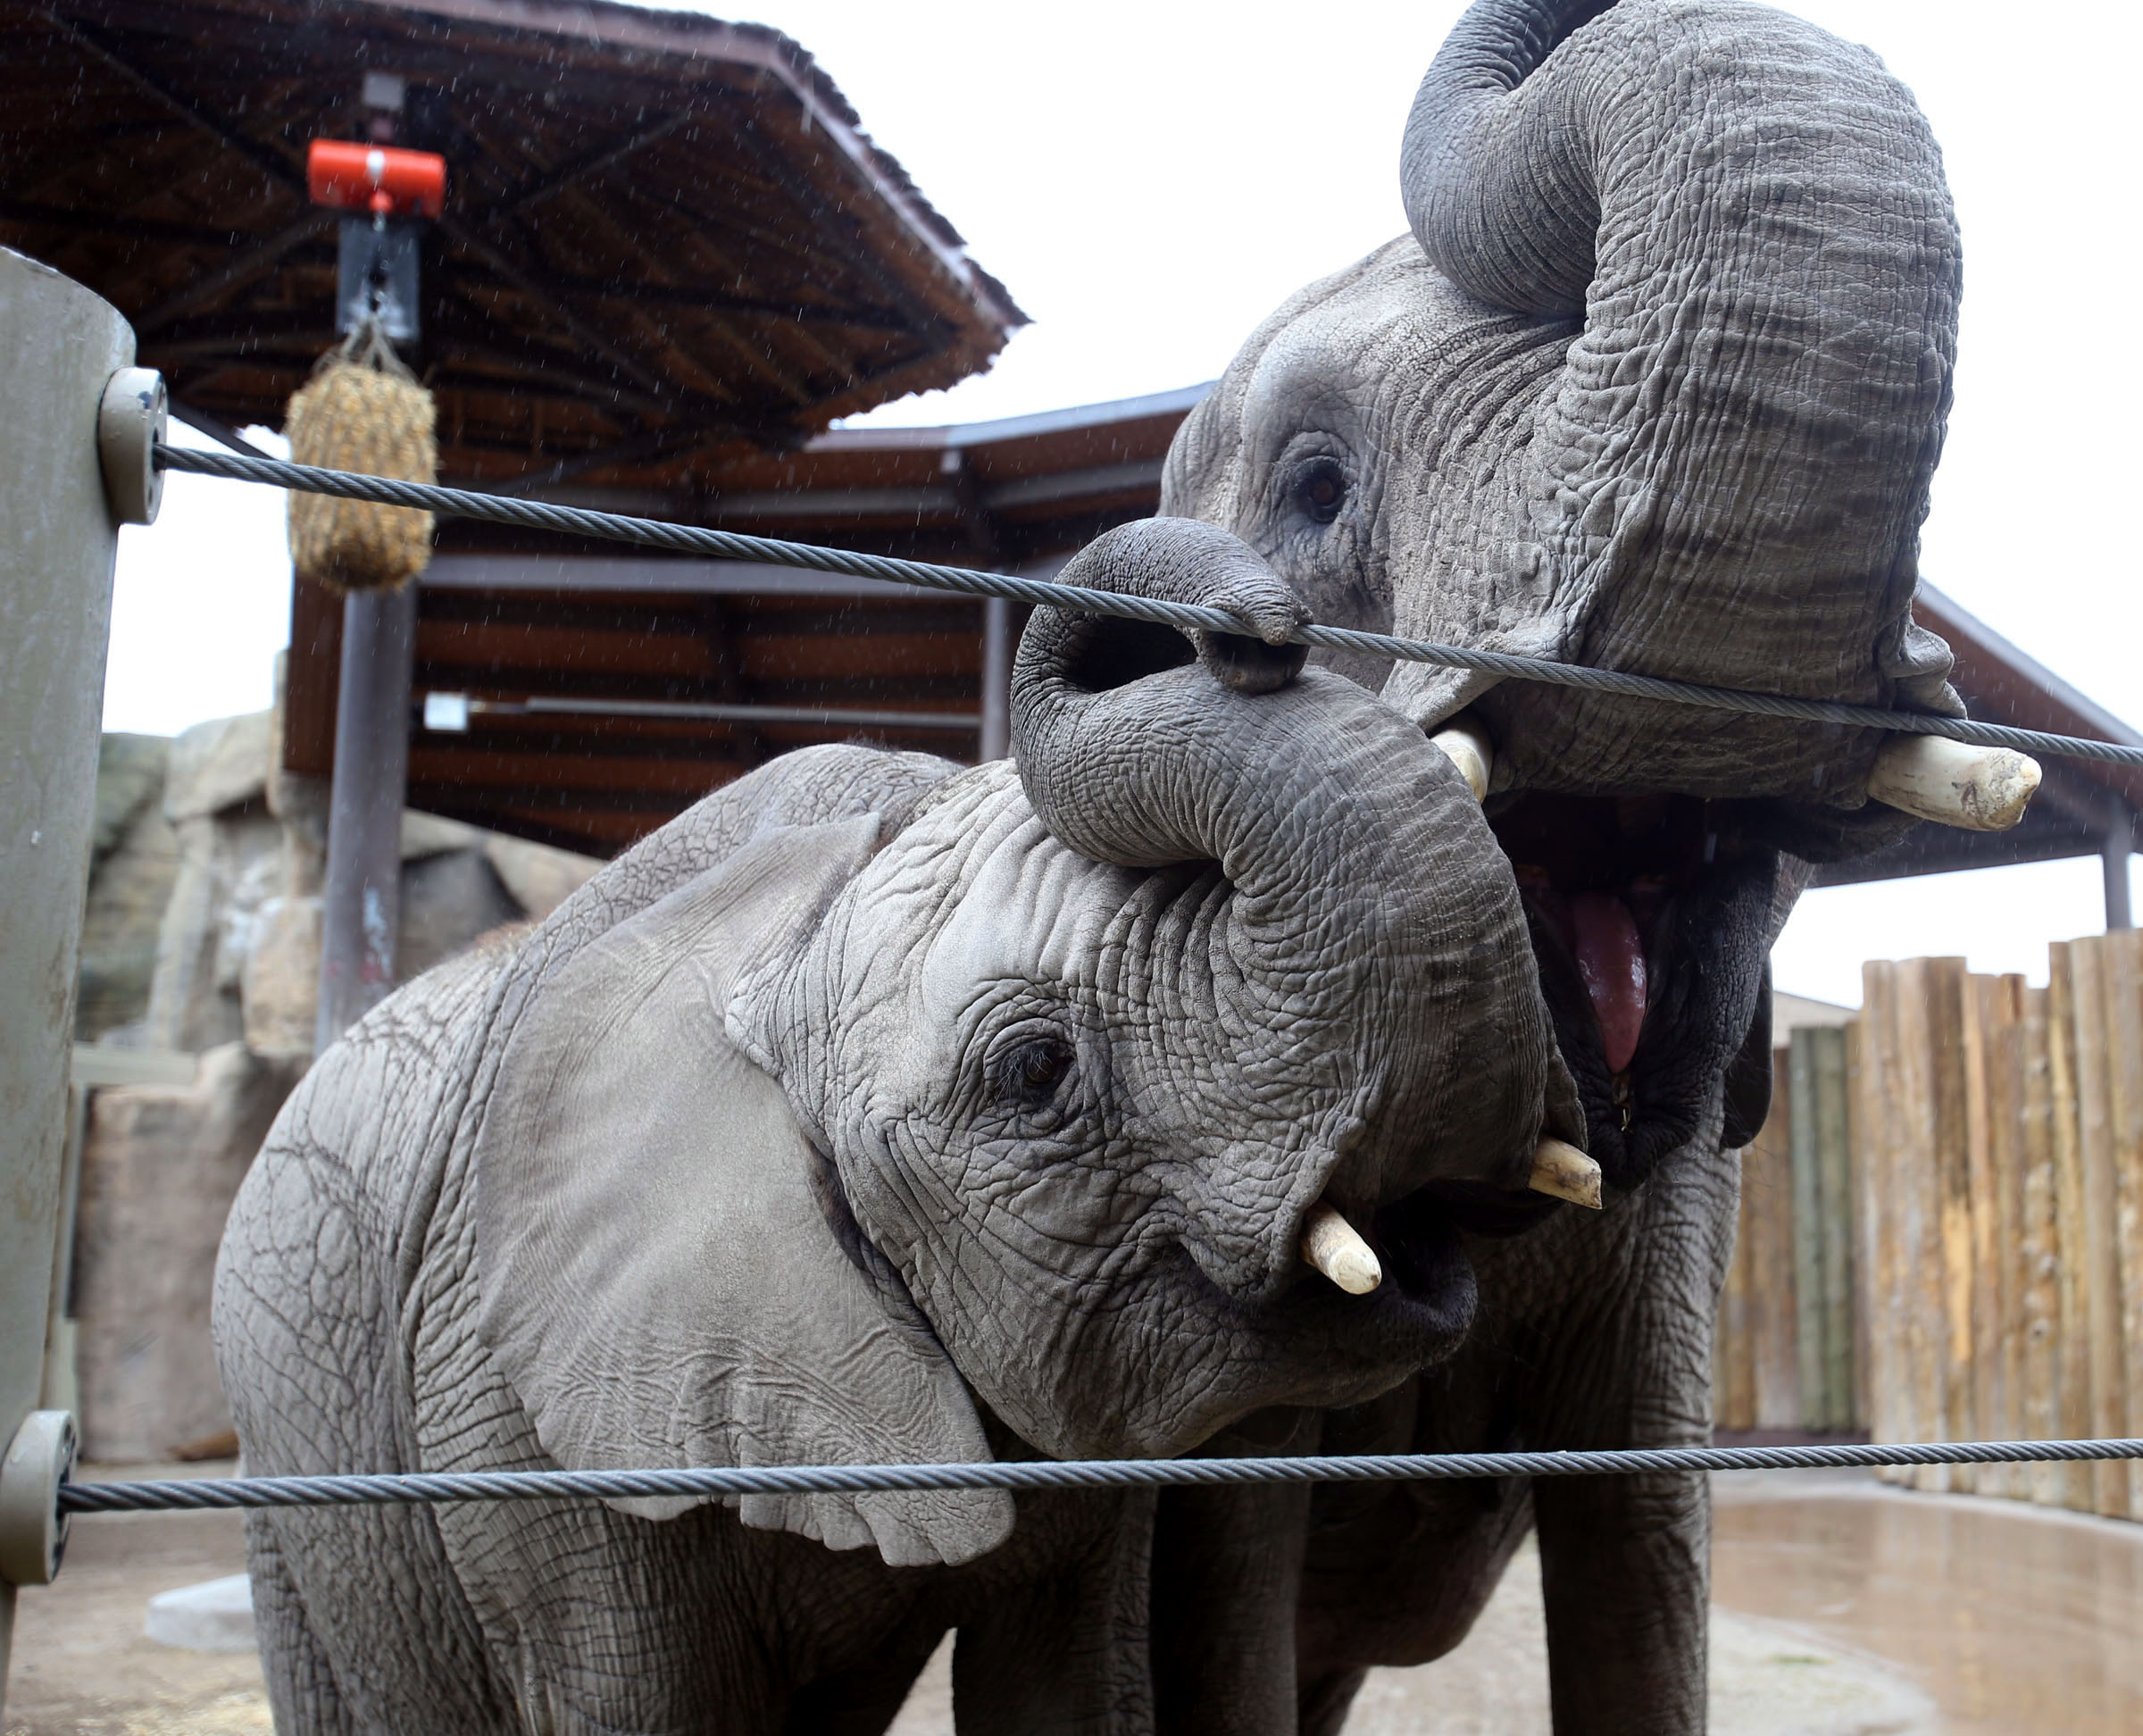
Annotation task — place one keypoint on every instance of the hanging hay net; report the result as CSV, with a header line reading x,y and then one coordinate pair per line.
x,y
363,410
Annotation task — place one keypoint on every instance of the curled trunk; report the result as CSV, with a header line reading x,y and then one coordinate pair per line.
x,y
1726,483
1367,894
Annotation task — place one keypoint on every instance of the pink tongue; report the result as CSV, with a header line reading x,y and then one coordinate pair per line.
x,y
1611,958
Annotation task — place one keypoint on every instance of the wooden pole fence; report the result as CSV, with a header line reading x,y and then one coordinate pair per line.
x,y
1940,1234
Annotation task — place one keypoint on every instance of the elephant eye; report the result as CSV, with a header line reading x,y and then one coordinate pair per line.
x,y
1320,489
1029,1072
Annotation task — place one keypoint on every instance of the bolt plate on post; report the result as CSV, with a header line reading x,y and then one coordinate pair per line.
x,y
132,419
33,1531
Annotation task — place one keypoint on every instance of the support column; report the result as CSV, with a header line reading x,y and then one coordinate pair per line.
x,y
2120,840
996,678
997,636
57,540
362,912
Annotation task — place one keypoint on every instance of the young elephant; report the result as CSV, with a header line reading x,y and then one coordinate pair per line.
x,y
881,1110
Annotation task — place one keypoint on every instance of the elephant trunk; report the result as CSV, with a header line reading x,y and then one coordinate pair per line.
x,y
1373,926
1727,481
1305,791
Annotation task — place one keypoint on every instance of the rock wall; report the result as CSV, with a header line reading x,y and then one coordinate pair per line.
x,y
133,863
204,905
161,1164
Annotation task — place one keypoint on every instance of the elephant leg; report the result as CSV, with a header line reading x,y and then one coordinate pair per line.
x,y
1227,1580
1067,1654
1227,1566
864,1700
1625,1562
1325,1702
302,1694
1625,1575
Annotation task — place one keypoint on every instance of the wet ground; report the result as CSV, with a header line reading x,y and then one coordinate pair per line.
x,y
82,1665
1843,1608
2012,1618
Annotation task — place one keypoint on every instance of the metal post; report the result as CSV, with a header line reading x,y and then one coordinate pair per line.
x,y
57,539
363,908
996,678
2120,840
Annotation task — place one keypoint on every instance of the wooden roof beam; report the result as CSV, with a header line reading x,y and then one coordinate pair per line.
x,y
730,219
242,267
117,226
466,238
243,332
752,358
684,298
450,337
271,162
593,163
640,448
835,237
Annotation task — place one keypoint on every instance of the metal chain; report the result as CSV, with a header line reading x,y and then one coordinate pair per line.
x,y
730,545
1085,1473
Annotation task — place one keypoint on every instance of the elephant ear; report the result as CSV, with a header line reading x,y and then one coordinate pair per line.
x,y
659,1278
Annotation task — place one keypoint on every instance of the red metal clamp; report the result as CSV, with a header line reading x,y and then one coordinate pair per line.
x,y
381,179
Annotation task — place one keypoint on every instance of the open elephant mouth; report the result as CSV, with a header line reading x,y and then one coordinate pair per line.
x,y
1420,1297
1649,917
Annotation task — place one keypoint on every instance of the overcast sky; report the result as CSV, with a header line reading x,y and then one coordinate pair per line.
x,y
1150,180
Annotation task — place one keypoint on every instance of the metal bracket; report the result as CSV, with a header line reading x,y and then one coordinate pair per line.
x,y
131,422
33,1531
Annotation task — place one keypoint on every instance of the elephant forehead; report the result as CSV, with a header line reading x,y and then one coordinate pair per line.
x,y
1380,340
1338,336
1032,910
983,895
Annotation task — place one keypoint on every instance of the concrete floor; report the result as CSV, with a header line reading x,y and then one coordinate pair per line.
x,y
1843,1608
82,1665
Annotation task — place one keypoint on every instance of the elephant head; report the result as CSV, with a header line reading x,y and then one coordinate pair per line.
x,y
1656,383
1027,1090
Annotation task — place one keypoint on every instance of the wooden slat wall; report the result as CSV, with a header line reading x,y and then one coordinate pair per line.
x,y
2036,1257
1822,1227
1834,1156
2077,1483
1861,1244
1941,1226
1993,1058
2091,964
1767,1189
1785,1358
1877,1129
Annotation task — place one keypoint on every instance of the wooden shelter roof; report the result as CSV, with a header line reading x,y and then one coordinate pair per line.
x,y
527,620
1008,492
667,239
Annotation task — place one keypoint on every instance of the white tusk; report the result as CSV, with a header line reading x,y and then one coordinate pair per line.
x,y
1331,1244
1468,747
1566,1172
1953,783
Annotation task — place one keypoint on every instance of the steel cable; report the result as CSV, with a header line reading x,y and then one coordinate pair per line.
x,y
205,1493
730,545
1047,1473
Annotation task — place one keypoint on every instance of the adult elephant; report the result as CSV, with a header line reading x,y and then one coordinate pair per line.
x,y
1656,383
878,1109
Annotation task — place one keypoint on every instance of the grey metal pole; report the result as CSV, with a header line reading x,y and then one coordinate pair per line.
x,y
362,912
996,678
2120,840
61,345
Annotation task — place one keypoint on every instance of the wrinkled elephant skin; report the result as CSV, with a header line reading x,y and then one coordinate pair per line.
x,y
879,1110
1657,382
